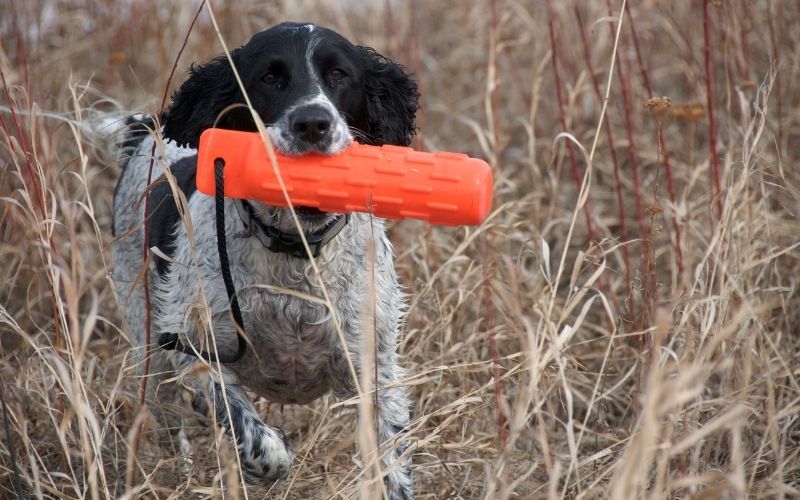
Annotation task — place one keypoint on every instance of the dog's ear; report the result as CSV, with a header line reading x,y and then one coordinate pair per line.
x,y
392,100
196,105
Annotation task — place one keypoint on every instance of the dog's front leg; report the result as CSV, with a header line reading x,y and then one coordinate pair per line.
x,y
264,453
393,417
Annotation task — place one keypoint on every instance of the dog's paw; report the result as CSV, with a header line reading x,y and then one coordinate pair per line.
x,y
401,495
398,484
266,456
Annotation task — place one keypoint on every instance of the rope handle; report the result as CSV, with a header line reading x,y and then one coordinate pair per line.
x,y
169,340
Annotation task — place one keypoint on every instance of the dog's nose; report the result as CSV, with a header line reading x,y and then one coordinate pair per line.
x,y
311,124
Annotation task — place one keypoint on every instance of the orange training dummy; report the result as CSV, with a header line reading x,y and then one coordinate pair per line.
x,y
394,182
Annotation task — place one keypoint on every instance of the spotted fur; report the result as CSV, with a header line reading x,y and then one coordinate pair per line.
x,y
294,355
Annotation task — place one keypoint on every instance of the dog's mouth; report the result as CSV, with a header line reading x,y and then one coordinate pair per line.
x,y
311,219
309,211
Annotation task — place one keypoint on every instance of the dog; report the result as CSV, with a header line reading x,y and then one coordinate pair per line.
x,y
316,92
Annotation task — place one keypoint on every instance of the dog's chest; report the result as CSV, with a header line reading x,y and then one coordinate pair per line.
x,y
293,343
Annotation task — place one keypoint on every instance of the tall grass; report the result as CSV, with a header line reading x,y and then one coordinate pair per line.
x,y
623,325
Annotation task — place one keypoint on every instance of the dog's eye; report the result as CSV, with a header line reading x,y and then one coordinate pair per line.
x,y
270,79
337,75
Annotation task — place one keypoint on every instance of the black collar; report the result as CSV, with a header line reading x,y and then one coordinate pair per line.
x,y
280,242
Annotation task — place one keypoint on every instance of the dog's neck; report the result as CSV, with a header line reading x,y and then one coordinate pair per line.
x,y
278,241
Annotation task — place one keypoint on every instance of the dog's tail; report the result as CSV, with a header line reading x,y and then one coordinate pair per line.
x,y
114,131
136,127
114,134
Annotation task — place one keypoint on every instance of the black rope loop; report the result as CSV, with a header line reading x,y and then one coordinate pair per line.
x,y
170,341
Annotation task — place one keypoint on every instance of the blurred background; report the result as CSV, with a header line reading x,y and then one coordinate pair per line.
x,y
640,340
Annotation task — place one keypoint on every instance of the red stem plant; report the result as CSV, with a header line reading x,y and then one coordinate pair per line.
x,y
38,189
494,104
712,124
623,227
576,175
146,247
661,144
632,155
774,36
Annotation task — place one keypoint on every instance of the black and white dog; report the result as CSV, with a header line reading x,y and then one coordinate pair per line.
x,y
316,92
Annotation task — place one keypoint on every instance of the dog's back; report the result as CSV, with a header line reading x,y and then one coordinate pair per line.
x,y
136,157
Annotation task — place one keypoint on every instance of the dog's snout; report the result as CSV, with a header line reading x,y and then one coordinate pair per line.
x,y
311,124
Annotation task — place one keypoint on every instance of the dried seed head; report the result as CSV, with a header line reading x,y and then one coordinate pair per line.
x,y
658,105
654,209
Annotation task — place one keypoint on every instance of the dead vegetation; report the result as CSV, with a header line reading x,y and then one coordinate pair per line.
x,y
623,325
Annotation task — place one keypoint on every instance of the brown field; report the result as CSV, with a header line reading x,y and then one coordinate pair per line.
x,y
624,324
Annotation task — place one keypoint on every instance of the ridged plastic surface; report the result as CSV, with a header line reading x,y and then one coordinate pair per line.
x,y
393,182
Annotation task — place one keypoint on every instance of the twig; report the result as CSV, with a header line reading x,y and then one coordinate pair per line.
x,y
661,144
146,245
494,107
776,57
590,165
576,175
632,155
12,452
40,200
712,124
415,56
623,227
490,324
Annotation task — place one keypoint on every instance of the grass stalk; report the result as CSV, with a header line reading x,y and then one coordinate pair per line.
x,y
573,160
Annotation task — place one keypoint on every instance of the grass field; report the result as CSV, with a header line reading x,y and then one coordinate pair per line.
x,y
625,324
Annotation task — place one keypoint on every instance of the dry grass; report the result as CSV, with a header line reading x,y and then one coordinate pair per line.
x,y
652,352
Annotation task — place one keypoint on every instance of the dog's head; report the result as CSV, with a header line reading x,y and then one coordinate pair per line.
x,y
314,90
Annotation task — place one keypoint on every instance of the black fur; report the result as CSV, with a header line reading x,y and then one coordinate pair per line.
x,y
164,214
393,100
137,127
202,98
377,97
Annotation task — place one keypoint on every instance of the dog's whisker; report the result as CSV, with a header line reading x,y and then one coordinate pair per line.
x,y
360,134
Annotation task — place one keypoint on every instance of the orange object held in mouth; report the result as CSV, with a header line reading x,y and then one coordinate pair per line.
x,y
392,182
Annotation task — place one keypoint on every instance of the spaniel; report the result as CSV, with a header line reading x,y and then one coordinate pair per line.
x,y
316,92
